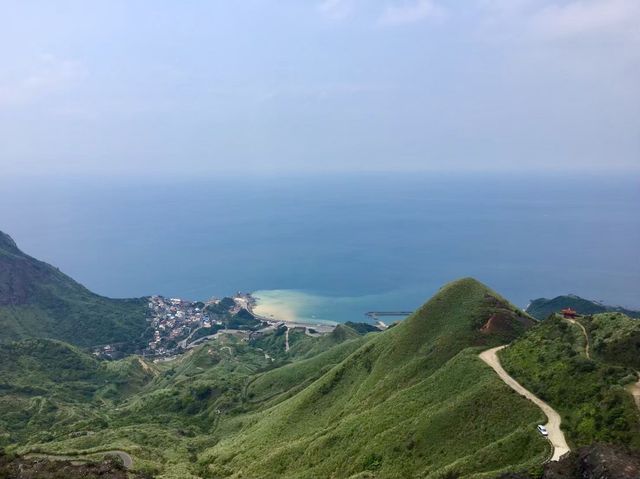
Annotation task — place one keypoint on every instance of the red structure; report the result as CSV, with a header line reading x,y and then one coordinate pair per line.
x,y
569,313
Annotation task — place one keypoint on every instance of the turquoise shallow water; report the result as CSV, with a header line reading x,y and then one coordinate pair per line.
x,y
331,248
292,305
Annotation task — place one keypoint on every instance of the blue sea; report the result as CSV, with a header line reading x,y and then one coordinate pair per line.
x,y
332,247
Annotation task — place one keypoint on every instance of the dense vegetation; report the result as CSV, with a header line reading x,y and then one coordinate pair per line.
x,y
37,300
590,394
615,338
542,308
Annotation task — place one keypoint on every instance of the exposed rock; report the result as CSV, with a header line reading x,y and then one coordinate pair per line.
x,y
598,461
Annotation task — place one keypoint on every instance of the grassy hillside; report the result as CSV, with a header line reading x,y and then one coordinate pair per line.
x,y
590,394
542,308
49,388
414,401
37,300
282,382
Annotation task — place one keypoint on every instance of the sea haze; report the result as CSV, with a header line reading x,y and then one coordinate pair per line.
x,y
333,247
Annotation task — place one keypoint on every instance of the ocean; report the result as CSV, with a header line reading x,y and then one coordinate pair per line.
x,y
331,247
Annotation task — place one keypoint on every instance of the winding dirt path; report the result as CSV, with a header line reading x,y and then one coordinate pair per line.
x,y
586,336
556,436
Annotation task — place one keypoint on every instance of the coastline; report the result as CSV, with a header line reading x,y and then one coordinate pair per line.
x,y
274,307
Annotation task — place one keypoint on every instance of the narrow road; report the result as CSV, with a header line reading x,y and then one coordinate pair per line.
x,y
286,341
183,343
586,336
556,436
127,460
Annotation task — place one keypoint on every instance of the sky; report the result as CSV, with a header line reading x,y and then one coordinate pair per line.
x,y
162,88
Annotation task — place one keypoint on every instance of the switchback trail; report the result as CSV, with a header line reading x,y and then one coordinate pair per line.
x,y
556,436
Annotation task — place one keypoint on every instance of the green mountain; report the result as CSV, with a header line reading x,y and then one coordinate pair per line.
x,y
37,300
413,401
542,308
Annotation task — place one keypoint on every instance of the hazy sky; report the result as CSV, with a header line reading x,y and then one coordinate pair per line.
x,y
198,87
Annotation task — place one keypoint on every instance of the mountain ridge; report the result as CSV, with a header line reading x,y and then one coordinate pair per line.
x,y
38,300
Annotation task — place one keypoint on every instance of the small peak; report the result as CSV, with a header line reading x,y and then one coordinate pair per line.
x,y
343,332
464,283
7,244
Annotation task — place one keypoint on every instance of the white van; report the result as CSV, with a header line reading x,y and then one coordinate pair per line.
x,y
543,430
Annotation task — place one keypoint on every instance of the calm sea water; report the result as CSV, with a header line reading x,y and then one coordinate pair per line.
x,y
334,247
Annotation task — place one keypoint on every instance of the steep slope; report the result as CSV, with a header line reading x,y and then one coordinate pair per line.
x,y
37,300
413,401
542,308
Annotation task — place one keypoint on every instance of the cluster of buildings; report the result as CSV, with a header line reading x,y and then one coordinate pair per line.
x,y
173,320
177,325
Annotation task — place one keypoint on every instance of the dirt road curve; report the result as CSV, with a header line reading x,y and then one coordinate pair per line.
x,y
556,436
127,462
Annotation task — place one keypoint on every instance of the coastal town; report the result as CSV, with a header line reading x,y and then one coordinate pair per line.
x,y
177,325
177,322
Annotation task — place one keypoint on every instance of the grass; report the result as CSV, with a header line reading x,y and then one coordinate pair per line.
x,y
399,405
447,421
615,338
292,377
